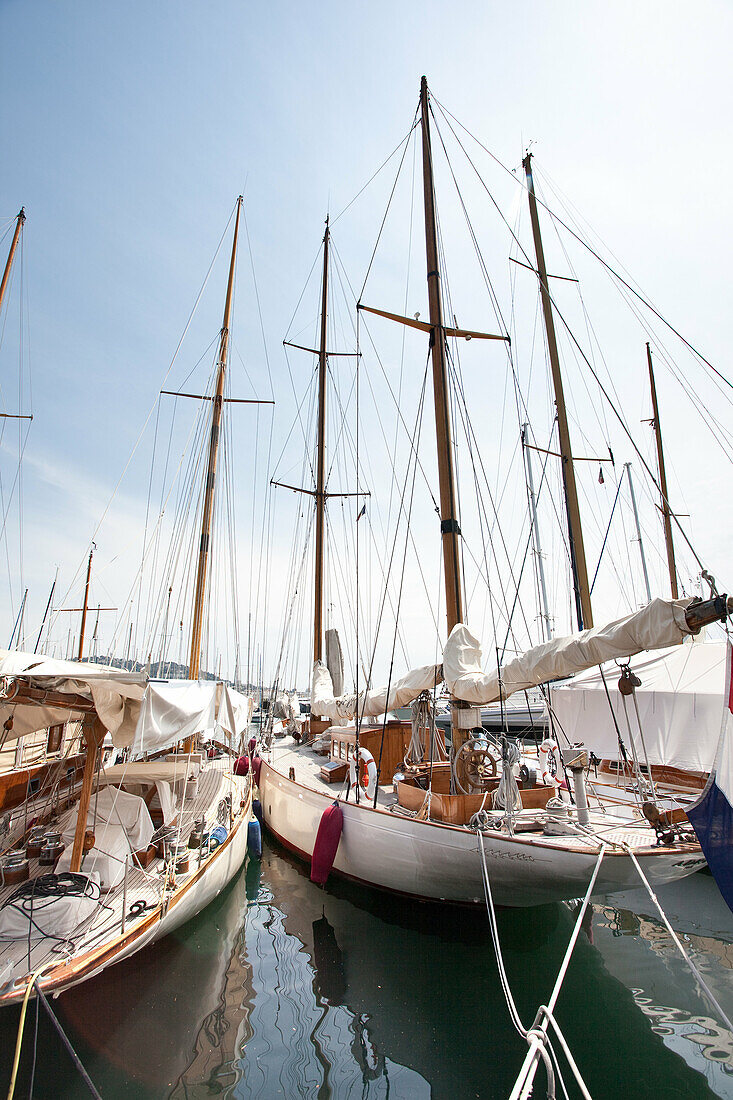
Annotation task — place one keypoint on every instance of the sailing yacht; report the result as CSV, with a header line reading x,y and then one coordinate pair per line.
x,y
97,860
419,818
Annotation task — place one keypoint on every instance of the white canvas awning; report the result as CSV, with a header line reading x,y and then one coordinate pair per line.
x,y
144,715
115,693
680,702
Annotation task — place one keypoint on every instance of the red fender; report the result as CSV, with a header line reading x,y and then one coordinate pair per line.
x,y
256,765
327,842
241,765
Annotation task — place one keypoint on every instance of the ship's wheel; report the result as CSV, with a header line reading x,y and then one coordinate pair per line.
x,y
474,767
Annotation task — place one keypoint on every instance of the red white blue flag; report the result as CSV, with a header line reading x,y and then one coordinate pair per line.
x,y
712,814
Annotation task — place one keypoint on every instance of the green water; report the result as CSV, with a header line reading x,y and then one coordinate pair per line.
x,y
282,989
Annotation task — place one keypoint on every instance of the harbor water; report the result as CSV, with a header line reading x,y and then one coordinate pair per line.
x,y
284,989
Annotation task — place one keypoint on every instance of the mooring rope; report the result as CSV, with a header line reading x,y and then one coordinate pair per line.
x,y
536,1035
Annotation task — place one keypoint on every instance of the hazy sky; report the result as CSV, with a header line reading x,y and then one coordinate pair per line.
x,y
128,131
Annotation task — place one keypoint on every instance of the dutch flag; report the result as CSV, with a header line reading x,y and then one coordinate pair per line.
x,y
712,814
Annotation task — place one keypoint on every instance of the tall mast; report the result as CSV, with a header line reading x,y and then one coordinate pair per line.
x,y
321,464
666,512
449,528
575,532
218,404
9,262
86,605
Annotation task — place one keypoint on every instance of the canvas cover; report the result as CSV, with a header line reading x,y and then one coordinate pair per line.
x,y
658,625
116,694
171,711
58,916
678,701
118,808
235,711
142,715
370,703
712,814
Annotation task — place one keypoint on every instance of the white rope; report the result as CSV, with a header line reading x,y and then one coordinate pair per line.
x,y
537,1034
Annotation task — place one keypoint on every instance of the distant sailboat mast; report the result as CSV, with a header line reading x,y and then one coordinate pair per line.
x,y
19,223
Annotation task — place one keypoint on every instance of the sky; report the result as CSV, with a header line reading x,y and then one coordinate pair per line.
x,y
129,130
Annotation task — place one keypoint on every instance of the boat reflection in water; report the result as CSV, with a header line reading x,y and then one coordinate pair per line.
x,y
284,989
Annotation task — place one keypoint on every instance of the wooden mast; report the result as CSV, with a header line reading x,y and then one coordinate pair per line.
x,y
86,605
9,262
666,511
575,531
217,407
94,734
449,528
321,464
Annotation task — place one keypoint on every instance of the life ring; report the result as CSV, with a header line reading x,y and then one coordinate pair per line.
x,y
549,745
367,772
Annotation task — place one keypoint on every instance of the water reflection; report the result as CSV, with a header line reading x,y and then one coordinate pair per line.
x,y
284,989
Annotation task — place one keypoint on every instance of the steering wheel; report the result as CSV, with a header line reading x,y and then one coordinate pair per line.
x,y
475,766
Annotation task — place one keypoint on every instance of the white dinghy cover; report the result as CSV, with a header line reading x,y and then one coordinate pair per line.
x,y
369,703
660,624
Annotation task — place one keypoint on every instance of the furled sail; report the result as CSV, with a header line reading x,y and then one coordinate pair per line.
x,y
335,660
661,623
369,703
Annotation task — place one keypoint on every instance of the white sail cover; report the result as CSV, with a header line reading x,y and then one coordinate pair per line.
x,y
235,711
678,701
658,625
335,660
173,710
370,703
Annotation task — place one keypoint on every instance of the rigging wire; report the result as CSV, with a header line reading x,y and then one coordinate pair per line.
x,y
594,253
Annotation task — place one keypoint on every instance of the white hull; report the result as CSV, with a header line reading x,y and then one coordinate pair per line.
x,y
194,892
224,865
429,860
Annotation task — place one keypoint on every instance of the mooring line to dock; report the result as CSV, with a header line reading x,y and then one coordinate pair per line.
x,y
536,1035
